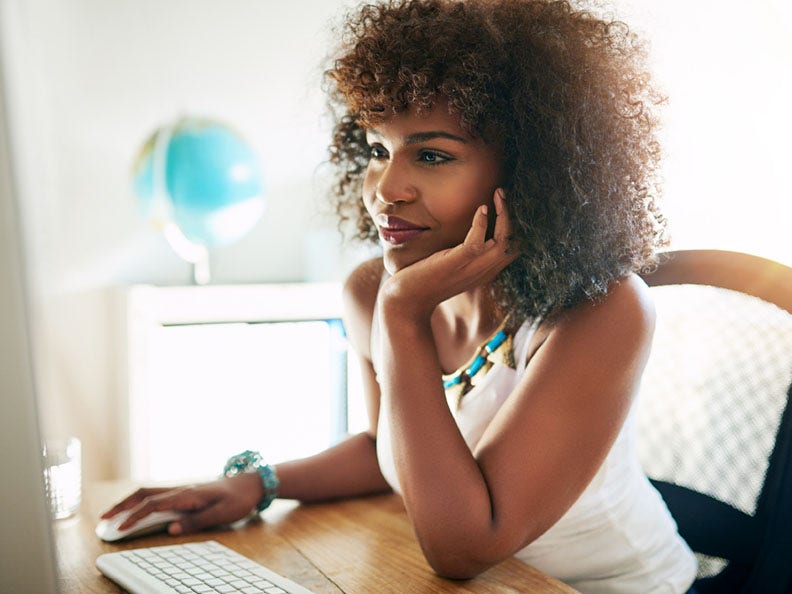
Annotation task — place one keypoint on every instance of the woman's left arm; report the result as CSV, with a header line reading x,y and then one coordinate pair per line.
x,y
472,510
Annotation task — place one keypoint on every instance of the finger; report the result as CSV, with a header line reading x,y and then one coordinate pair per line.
x,y
197,521
478,229
132,501
174,500
502,222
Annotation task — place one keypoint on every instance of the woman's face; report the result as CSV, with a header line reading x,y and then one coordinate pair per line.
x,y
424,181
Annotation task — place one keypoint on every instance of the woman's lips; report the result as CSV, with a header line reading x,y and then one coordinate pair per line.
x,y
399,236
396,231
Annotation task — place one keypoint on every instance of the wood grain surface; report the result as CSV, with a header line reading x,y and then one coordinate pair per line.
x,y
360,546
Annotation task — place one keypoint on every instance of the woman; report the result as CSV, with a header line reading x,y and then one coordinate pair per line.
x,y
503,154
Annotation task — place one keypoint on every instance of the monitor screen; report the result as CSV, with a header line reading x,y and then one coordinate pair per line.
x,y
261,367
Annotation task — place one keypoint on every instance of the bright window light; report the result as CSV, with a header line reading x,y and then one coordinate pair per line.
x,y
726,67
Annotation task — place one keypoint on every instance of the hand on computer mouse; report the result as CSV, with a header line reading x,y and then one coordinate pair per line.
x,y
108,529
216,503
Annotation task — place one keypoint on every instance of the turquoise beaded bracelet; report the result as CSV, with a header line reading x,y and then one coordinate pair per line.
x,y
249,461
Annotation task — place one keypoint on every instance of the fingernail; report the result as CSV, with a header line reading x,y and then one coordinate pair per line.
x,y
483,209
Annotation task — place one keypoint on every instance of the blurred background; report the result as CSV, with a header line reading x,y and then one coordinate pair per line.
x,y
91,80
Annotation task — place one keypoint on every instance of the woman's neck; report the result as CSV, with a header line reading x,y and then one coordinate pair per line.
x,y
461,324
471,309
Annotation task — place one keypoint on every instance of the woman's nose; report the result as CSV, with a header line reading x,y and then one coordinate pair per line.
x,y
394,184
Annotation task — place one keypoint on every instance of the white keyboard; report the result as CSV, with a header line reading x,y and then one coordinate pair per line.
x,y
192,568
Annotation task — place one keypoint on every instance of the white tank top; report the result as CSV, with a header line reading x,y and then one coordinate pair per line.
x,y
617,538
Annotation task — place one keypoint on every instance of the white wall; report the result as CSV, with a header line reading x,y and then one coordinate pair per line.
x,y
726,66
91,79
100,76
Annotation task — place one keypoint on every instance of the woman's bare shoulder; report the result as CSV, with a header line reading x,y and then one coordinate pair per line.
x,y
360,297
627,305
622,321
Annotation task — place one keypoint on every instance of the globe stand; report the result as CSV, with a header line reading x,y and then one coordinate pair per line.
x,y
194,253
202,274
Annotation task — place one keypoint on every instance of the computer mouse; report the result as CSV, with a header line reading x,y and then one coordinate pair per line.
x,y
156,521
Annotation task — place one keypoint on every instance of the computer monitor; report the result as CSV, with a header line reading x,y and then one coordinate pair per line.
x,y
27,561
265,366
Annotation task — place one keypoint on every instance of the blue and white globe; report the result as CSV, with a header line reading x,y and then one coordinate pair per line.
x,y
201,183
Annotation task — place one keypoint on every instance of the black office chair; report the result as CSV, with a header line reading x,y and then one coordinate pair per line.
x,y
714,425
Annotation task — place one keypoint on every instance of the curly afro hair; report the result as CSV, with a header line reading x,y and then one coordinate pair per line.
x,y
562,93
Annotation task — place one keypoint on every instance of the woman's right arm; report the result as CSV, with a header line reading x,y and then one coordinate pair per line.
x,y
348,469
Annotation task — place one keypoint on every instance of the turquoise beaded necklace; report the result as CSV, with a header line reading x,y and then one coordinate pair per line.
x,y
478,362
462,380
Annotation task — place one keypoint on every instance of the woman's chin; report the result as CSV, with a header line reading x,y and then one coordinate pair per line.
x,y
396,260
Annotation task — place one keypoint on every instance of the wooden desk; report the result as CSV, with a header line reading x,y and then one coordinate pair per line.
x,y
361,546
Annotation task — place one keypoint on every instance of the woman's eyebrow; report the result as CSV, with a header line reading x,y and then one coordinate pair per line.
x,y
419,137
430,135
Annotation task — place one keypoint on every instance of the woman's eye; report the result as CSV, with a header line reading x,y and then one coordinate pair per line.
x,y
378,152
432,157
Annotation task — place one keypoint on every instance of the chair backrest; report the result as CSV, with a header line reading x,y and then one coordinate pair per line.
x,y
714,426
